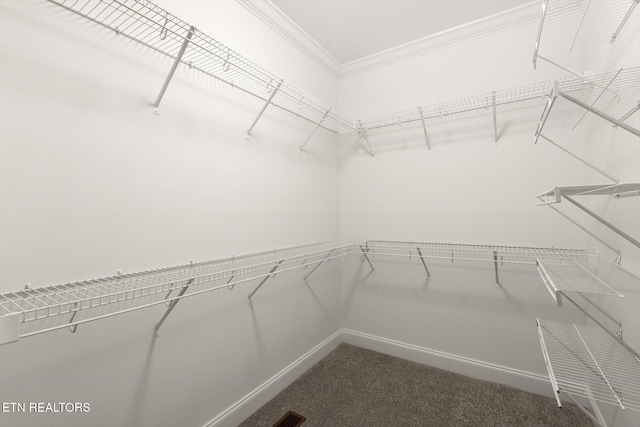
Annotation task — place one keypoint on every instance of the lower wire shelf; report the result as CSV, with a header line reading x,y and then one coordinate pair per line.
x,y
39,308
585,361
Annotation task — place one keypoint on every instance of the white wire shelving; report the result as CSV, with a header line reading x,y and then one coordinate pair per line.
x,y
557,194
31,311
589,277
612,96
568,26
584,361
456,252
157,29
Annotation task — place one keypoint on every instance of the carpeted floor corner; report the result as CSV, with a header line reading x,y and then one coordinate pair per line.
x,y
357,387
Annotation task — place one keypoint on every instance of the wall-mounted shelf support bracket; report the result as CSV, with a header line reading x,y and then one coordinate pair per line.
x,y
364,252
423,262
424,129
602,221
177,60
597,98
600,171
540,25
275,267
362,131
172,305
629,113
495,118
601,114
495,268
634,3
304,279
553,95
315,129
264,107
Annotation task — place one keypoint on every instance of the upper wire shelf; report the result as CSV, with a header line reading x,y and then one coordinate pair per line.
x,y
568,26
156,28
585,361
148,288
475,252
533,93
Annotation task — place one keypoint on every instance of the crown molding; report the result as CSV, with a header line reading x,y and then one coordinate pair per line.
x,y
278,21
514,17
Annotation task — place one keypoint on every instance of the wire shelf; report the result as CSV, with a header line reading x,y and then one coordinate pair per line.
x,y
594,190
585,361
594,277
156,28
569,26
154,287
519,96
474,252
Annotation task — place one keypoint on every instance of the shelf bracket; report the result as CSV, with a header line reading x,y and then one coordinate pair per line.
x,y
364,137
589,232
424,128
172,305
617,181
315,129
548,283
553,95
495,118
275,267
264,107
177,60
540,25
597,98
304,279
367,258
634,3
629,113
73,328
495,268
423,262
601,114
602,221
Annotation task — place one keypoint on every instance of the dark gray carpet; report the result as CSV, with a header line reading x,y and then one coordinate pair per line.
x,y
357,387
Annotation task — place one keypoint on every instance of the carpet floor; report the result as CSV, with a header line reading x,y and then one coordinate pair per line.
x,y
356,387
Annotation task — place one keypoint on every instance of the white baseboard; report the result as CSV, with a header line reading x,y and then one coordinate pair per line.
x,y
523,380
250,403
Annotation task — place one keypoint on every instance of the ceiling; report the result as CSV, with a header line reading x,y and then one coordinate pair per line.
x,y
353,29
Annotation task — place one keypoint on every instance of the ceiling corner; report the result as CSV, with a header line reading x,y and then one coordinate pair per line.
x,y
278,21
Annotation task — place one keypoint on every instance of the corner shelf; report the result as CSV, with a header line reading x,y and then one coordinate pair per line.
x,y
567,25
585,361
22,313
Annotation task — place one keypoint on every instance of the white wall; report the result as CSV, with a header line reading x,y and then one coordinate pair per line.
x,y
92,182
465,190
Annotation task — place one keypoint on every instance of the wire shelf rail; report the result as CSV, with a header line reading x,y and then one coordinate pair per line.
x,y
157,29
153,287
585,361
568,26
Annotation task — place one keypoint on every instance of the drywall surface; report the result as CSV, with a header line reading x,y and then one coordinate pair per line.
x,y
467,189
93,182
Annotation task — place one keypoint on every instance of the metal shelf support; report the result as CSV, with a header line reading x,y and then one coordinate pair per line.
x,y
495,118
275,267
364,252
172,305
553,95
424,128
315,129
423,262
634,3
264,107
597,98
304,279
601,114
177,61
602,220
